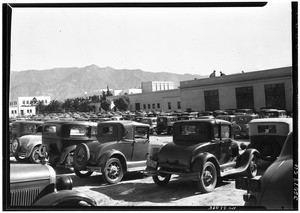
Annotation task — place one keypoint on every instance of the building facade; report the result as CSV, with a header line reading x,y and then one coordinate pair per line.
x,y
267,88
153,86
24,106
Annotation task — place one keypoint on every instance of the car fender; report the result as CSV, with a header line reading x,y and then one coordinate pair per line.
x,y
55,198
244,160
107,155
202,158
65,153
31,146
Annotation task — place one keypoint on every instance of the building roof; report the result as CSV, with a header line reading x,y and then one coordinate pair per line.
x,y
240,77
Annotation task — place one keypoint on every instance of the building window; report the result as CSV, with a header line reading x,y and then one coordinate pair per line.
x,y
211,99
15,103
12,112
244,98
144,106
275,96
148,106
15,111
178,105
153,106
27,102
169,105
24,102
158,105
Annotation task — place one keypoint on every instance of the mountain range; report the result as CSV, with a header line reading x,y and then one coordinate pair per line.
x,y
63,83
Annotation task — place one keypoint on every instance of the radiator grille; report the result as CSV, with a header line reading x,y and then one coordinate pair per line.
x,y
24,197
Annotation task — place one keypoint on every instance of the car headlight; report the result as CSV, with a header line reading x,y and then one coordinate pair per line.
x,y
64,182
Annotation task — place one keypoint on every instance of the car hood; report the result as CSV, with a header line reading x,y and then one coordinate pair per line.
x,y
277,185
31,172
177,154
24,140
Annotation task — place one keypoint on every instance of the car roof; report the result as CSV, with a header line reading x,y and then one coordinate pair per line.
x,y
87,123
272,120
211,121
30,122
125,123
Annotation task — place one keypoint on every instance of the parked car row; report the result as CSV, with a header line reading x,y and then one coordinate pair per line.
x,y
203,150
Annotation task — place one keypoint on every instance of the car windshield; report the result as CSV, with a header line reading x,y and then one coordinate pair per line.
x,y
199,130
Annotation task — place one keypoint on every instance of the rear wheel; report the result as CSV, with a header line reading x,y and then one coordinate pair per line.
x,y
207,178
113,171
83,174
161,180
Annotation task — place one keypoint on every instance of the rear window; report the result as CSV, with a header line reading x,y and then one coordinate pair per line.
x,y
266,129
199,130
30,128
50,129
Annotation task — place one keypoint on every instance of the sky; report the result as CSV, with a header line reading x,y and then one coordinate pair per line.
x,y
177,40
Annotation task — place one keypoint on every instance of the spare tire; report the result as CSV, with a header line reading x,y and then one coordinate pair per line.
x,y
81,156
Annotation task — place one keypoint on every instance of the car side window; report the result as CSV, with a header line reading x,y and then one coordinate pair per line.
x,y
216,132
141,132
30,128
51,129
225,131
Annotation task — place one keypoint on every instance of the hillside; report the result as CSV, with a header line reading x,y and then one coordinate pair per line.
x,y
63,83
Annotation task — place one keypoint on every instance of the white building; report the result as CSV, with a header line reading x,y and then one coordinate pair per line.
x,y
153,86
25,106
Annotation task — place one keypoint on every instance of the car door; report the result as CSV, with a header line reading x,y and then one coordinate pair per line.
x,y
225,143
141,143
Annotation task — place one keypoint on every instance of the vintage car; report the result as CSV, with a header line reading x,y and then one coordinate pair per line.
x,y
242,120
61,138
25,148
165,124
37,185
275,188
267,135
272,113
19,129
202,150
219,112
121,146
152,121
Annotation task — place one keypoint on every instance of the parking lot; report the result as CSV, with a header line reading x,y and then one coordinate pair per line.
x,y
138,190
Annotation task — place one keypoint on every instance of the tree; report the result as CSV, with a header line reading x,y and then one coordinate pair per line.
x,y
103,96
40,107
33,101
95,99
108,93
105,104
54,106
122,103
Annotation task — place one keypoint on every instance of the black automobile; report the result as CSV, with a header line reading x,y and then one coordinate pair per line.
x,y
38,185
202,150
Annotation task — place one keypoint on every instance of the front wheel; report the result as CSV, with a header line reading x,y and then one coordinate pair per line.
x,y
113,171
83,174
207,178
161,180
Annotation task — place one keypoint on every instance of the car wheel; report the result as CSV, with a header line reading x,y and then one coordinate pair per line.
x,y
34,156
14,145
81,156
113,171
83,174
207,178
269,152
161,180
252,168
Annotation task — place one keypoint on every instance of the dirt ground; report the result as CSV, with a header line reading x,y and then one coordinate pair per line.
x,y
139,191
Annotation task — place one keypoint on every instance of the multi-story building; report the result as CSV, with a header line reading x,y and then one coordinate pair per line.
x,y
25,106
271,88
153,86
